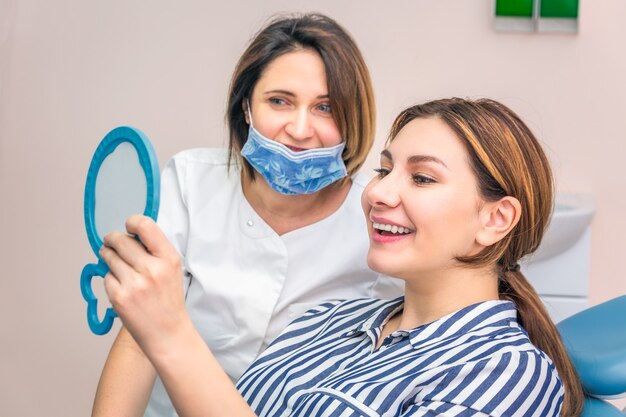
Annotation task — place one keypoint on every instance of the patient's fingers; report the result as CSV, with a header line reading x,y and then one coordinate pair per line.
x,y
151,236
128,249
112,287
118,267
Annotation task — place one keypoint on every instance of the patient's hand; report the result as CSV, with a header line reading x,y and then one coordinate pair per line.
x,y
145,283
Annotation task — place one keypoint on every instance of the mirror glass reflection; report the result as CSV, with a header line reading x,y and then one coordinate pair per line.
x,y
120,191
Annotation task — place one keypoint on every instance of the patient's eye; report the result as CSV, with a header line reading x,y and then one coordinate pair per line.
x,y
382,172
421,179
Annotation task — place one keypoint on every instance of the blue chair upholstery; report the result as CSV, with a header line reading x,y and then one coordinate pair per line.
x,y
596,342
598,408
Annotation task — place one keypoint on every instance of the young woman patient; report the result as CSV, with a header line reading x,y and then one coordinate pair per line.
x,y
463,192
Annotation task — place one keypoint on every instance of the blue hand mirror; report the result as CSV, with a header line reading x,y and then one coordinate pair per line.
x,y
123,179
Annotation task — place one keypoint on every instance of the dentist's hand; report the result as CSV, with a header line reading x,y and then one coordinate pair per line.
x,y
144,284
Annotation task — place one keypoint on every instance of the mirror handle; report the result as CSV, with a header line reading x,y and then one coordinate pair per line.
x,y
98,327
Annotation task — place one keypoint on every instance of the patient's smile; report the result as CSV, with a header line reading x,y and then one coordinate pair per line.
x,y
388,229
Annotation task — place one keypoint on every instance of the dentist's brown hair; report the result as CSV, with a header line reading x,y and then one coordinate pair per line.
x,y
508,160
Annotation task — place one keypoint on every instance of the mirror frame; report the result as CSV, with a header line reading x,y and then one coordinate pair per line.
x,y
149,165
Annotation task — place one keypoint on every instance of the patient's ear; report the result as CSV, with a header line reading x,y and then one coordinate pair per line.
x,y
497,219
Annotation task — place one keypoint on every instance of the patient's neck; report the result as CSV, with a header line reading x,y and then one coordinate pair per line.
x,y
430,297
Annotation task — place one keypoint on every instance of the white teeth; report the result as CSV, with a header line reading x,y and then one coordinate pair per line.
x,y
391,228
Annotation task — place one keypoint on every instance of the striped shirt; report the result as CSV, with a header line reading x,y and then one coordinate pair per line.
x,y
477,361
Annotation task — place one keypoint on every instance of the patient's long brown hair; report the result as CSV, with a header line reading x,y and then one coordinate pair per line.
x,y
509,161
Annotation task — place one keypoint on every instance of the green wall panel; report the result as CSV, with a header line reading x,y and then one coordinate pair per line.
x,y
559,8
514,8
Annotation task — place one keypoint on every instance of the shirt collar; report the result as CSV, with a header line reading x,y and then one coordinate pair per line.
x,y
496,313
379,317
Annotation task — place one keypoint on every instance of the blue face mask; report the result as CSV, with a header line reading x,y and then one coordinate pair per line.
x,y
290,172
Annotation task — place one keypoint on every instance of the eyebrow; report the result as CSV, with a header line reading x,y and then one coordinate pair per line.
x,y
415,159
289,93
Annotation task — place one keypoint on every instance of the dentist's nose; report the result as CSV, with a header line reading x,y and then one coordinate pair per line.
x,y
383,193
300,127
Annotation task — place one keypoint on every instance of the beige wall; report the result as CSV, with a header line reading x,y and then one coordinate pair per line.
x,y
70,70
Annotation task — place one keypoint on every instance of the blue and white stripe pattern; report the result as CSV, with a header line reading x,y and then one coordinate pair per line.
x,y
477,361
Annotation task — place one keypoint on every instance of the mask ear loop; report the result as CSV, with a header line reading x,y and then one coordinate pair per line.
x,y
249,110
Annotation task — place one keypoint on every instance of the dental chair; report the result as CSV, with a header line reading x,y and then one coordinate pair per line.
x,y
596,342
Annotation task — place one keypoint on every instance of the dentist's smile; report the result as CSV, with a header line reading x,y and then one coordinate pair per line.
x,y
295,148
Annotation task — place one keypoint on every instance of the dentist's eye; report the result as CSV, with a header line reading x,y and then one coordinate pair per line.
x,y
277,101
324,108
420,179
382,172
